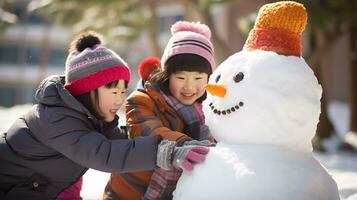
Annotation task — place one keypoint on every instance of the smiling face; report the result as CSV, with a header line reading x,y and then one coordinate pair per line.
x,y
260,97
186,86
110,100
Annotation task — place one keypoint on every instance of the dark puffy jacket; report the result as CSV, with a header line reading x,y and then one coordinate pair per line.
x,y
51,146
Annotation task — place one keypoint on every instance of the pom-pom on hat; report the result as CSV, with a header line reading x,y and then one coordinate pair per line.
x,y
189,38
278,28
147,66
90,65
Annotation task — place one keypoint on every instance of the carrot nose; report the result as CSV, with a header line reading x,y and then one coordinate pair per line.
x,y
216,90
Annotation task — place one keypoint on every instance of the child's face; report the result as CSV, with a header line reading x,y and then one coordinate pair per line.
x,y
186,86
110,100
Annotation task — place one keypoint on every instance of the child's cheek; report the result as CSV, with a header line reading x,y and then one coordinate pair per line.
x,y
174,88
106,103
202,85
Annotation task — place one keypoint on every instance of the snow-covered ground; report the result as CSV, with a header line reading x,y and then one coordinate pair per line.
x,y
341,165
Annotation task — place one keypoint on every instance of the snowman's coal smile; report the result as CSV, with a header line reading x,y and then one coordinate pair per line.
x,y
227,111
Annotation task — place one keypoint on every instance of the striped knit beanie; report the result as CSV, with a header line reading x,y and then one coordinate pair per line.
x,y
278,28
189,38
90,65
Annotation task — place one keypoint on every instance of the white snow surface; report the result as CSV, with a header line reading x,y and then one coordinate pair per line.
x,y
342,166
257,172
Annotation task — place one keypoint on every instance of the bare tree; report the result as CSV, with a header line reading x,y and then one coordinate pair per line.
x,y
352,133
7,16
328,19
153,27
204,10
353,78
120,21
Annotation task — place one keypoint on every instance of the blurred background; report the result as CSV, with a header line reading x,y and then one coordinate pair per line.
x,y
35,34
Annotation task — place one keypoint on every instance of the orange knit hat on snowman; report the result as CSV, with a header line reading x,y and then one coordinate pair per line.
x,y
278,28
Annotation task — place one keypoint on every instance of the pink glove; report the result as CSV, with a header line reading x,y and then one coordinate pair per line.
x,y
169,155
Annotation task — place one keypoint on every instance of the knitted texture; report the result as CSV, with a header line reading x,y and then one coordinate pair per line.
x,y
286,15
165,154
278,28
147,66
184,157
189,38
93,68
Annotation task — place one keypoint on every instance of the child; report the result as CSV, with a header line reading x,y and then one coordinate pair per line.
x,y
169,106
74,127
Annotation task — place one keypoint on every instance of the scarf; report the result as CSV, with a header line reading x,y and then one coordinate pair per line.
x,y
162,182
192,116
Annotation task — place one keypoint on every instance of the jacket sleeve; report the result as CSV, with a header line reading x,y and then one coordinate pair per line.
x,y
112,131
142,120
73,138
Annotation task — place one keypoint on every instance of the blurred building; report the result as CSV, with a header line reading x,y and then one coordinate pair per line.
x,y
29,51
33,48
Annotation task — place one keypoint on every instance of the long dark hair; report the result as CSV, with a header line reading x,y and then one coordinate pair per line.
x,y
181,62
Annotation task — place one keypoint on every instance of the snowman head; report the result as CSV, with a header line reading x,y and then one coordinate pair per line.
x,y
261,96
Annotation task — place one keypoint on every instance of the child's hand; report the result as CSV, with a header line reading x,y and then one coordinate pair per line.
x,y
169,155
205,143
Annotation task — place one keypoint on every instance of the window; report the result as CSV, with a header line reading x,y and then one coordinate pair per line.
x,y
33,55
8,54
57,57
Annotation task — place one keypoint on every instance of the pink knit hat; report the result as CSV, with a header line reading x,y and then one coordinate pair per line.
x,y
93,67
189,38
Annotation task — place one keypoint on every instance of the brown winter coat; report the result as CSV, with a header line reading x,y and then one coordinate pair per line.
x,y
147,114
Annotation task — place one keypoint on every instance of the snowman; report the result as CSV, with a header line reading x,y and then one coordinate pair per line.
x,y
263,107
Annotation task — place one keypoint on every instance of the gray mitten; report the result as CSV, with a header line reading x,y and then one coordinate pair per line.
x,y
205,143
184,157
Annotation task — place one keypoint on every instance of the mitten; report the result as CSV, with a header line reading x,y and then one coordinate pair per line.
x,y
205,143
169,155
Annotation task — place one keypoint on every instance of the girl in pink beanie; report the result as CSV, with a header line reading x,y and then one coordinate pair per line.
x,y
169,105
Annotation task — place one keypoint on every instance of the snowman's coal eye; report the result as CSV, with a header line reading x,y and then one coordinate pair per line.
x,y
217,78
239,77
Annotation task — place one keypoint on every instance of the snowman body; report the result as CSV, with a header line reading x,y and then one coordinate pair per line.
x,y
264,124
256,172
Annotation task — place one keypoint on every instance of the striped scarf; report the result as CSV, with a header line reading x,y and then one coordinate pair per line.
x,y
163,183
193,117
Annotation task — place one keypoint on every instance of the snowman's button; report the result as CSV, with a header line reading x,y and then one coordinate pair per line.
x,y
232,109
241,104
237,107
229,111
35,184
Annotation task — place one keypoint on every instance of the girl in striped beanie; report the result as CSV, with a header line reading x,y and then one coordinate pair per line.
x,y
169,105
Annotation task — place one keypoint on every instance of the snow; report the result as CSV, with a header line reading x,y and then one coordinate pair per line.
x,y
341,165
272,85
256,171
263,109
